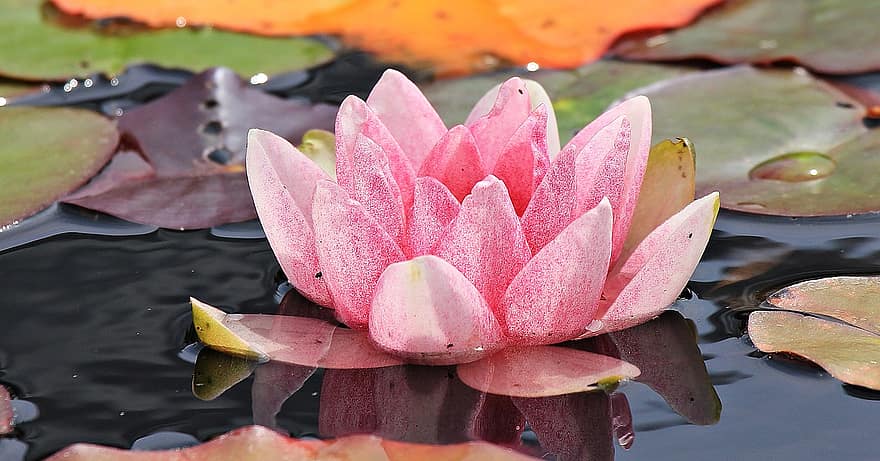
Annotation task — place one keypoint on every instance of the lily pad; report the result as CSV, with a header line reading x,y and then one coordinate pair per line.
x,y
32,48
186,164
777,142
831,36
578,96
845,340
46,153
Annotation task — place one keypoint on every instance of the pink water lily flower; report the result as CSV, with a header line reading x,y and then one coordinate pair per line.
x,y
450,244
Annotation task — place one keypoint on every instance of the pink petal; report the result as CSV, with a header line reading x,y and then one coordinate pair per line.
x,y
485,241
354,118
542,371
660,267
353,250
282,182
370,182
523,161
434,208
410,118
494,129
556,295
426,311
455,161
539,97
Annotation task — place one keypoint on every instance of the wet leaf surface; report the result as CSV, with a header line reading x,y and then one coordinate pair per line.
x,y
775,142
451,37
32,48
831,36
190,145
46,153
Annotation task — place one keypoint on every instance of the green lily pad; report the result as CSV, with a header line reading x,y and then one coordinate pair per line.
x,y
830,36
46,153
578,96
34,49
845,341
776,142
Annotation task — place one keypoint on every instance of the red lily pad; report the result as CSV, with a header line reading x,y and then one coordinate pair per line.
x,y
5,411
258,443
778,142
833,36
853,299
46,153
185,168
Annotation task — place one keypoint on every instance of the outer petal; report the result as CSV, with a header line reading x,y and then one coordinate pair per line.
x,y
410,118
455,160
523,161
369,181
434,208
494,129
556,294
485,241
652,278
282,182
426,311
353,250
355,117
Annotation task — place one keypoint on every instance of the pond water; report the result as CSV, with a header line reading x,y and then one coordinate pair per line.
x,y
95,328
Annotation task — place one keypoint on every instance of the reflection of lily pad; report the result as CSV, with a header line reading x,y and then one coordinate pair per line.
x,y
46,153
849,351
31,48
773,142
831,36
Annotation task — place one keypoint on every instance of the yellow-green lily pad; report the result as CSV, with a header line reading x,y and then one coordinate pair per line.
x,y
33,48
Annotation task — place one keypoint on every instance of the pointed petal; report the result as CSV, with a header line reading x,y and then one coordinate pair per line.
x,y
653,277
353,250
485,241
494,129
354,118
556,294
282,182
523,161
434,208
410,118
455,161
426,311
369,181
542,371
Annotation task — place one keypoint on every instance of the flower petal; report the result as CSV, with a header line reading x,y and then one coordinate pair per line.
x,y
485,241
353,250
523,161
653,277
282,182
434,208
494,129
369,181
410,118
455,161
426,311
556,294
354,118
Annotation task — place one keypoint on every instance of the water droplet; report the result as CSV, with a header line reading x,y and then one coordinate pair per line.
x,y
259,79
2,101
595,326
532,66
121,413
234,316
88,83
180,21
479,349
795,167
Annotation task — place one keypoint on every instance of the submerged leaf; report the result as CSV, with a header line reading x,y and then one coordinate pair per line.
x,y
854,299
46,153
192,141
32,48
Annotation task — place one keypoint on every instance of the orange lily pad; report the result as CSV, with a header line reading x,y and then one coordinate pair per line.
x,y
454,36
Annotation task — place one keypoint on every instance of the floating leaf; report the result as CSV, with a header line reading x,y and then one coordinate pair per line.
x,y
454,37
192,141
831,36
777,142
5,411
46,153
31,48
855,300
258,443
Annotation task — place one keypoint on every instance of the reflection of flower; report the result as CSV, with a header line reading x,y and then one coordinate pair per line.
x,y
448,245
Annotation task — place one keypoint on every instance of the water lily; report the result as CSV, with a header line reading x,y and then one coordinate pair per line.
x,y
447,245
